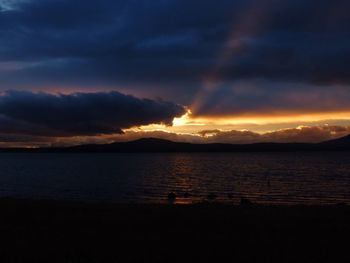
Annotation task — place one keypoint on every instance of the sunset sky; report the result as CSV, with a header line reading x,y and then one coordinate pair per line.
x,y
234,71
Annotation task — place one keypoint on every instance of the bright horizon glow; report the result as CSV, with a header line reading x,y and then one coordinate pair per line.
x,y
190,124
189,119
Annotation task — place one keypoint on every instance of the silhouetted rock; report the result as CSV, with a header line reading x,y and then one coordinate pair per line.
x,y
212,197
171,197
341,204
245,202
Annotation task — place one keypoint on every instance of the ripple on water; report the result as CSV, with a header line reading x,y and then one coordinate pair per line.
x,y
267,178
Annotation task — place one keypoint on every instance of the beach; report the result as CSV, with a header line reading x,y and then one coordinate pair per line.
x,y
64,231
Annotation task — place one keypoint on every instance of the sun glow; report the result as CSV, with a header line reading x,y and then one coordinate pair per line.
x,y
186,120
189,119
191,124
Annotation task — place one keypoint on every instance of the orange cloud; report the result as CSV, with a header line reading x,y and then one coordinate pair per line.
x,y
312,134
299,134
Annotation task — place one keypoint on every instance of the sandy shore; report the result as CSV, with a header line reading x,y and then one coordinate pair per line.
x,y
49,231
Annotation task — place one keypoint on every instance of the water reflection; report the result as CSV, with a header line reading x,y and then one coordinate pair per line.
x,y
268,178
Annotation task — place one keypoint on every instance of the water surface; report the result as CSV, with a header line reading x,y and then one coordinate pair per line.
x,y
268,178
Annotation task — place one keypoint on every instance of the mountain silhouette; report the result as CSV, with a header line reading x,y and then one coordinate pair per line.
x,y
341,143
161,145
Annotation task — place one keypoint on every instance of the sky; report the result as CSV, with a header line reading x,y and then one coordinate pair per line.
x,y
233,71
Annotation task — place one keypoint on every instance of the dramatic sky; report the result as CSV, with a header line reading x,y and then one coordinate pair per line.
x,y
235,71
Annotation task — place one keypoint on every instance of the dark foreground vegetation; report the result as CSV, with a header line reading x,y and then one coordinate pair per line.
x,y
43,231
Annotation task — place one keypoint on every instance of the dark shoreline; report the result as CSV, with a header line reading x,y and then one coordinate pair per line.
x,y
154,145
59,231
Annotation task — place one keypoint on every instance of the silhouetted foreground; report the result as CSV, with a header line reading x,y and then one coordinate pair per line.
x,y
43,231
160,145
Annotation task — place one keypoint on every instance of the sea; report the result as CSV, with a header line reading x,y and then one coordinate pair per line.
x,y
307,178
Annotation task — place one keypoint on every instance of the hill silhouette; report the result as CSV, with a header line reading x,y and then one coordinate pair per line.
x,y
161,145
341,143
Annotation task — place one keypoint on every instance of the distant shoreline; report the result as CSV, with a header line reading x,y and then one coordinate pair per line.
x,y
204,204
152,145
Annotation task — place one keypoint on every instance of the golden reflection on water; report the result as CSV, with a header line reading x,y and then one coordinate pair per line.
x,y
263,178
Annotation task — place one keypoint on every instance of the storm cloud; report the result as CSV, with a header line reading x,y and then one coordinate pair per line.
x,y
266,98
79,114
218,58
174,41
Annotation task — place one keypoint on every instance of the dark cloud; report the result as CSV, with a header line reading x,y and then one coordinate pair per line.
x,y
295,52
259,98
177,41
77,114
